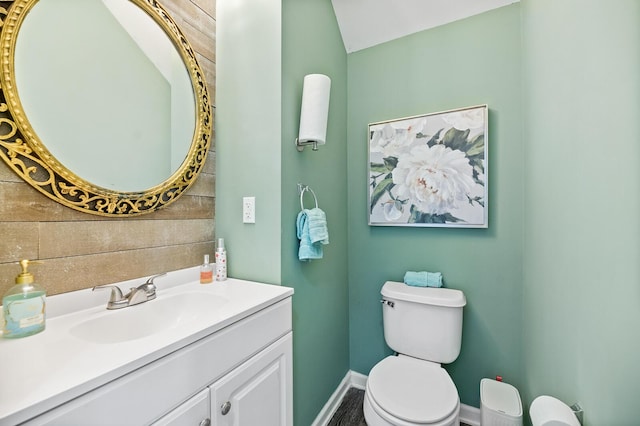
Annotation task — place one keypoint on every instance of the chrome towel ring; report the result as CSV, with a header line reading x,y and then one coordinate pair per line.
x,y
302,189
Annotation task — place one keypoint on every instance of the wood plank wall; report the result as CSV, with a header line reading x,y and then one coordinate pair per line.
x,y
80,250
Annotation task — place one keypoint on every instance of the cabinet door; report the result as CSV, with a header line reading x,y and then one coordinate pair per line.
x,y
193,412
258,392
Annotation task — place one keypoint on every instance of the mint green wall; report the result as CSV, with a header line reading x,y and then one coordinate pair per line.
x,y
552,285
248,134
469,62
582,204
264,50
311,43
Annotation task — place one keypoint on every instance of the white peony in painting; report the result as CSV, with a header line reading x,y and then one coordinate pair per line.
x,y
430,170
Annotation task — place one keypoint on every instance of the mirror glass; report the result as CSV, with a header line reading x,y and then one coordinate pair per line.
x,y
103,106
106,91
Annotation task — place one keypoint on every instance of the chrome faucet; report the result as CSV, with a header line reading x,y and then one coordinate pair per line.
x,y
136,295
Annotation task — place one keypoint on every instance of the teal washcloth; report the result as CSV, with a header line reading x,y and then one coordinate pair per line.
x,y
318,231
308,249
423,279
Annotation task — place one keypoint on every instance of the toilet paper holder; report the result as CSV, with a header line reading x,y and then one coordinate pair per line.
x,y
314,111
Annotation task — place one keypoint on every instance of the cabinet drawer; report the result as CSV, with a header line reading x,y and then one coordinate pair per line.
x,y
146,394
193,412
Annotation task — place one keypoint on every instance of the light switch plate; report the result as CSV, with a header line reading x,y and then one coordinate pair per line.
x,y
248,209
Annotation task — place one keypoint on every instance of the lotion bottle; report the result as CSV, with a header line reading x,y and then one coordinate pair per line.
x,y
23,306
206,271
221,261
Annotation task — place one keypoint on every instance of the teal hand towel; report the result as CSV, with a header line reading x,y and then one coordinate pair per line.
x,y
318,231
423,279
307,250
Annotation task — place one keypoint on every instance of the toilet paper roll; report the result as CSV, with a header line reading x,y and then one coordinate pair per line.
x,y
315,108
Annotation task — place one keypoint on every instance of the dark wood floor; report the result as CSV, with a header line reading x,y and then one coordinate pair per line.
x,y
350,413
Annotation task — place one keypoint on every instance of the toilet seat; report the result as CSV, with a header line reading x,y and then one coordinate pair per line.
x,y
412,390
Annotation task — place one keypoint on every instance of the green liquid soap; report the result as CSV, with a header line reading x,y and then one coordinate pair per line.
x,y
24,314
23,306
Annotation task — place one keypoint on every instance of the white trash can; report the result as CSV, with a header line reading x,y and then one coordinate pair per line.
x,y
500,404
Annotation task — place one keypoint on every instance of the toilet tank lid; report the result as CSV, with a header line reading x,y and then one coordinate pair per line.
x,y
428,295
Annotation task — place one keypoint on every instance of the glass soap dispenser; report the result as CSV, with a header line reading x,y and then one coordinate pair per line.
x,y
23,306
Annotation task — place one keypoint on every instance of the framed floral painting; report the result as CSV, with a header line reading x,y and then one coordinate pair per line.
x,y
430,170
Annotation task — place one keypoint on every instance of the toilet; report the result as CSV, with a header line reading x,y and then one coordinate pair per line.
x,y
424,326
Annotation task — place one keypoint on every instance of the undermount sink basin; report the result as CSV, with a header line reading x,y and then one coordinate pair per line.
x,y
148,318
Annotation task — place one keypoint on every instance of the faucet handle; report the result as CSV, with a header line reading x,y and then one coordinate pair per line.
x,y
116,300
150,280
149,286
116,293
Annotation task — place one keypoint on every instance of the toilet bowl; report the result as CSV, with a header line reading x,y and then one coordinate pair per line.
x,y
405,391
424,326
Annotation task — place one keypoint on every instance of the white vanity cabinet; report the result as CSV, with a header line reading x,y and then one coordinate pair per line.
x,y
246,365
258,392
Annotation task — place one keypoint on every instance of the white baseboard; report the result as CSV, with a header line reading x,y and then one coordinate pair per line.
x,y
358,380
333,403
468,414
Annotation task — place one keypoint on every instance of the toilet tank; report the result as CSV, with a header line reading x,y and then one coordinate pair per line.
x,y
423,322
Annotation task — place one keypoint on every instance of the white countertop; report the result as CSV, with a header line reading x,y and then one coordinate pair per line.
x,y
42,371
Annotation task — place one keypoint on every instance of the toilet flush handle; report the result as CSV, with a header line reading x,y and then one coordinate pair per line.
x,y
387,302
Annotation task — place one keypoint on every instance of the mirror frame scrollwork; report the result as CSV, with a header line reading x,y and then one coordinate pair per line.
x,y
28,156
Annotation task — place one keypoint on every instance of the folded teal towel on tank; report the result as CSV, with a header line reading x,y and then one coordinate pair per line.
x,y
423,279
311,227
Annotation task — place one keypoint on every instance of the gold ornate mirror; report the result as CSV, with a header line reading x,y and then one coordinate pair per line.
x,y
103,106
